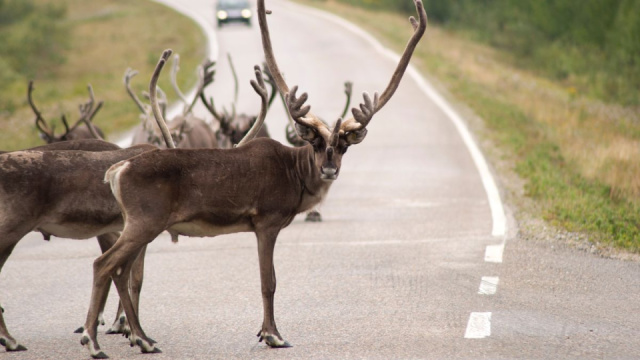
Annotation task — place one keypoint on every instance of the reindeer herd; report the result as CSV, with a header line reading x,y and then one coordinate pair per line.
x,y
183,176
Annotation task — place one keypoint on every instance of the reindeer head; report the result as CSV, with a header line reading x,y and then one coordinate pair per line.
x,y
331,143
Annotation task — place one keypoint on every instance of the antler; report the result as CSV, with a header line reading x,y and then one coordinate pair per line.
x,y
128,74
205,77
261,89
41,124
269,79
348,90
173,75
154,101
86,114
362,116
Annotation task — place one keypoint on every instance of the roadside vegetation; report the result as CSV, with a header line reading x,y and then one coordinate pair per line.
x,y
65,45
556,84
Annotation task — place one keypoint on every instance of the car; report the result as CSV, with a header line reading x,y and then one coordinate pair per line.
x,y
233,10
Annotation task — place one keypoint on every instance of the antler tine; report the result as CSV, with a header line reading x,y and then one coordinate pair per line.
x,y
269,79
173,76
348,90
203,75
128,74
235,80
419,29
299,112
268,49
89,123
154,102
40,123
86,110
362,116
260,88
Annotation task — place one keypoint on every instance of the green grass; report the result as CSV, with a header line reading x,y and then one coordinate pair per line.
x,y
106,37
554,149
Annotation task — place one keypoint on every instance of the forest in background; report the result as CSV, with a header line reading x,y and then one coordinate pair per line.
x,y
592,45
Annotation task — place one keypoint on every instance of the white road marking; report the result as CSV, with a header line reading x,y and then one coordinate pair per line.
x,y
495,203
479,326
494,253
488,285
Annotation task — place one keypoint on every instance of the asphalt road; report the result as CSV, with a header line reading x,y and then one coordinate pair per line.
x,y
394,271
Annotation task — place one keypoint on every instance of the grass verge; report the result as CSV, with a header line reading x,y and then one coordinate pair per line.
x,y
107,37
579,158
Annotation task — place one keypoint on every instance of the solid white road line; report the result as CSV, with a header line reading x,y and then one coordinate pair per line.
x,y
488,285
479,326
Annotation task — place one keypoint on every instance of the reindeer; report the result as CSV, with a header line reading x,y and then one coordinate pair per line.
x,y
295,140
57,189
75,132
257,187
186,130
234,127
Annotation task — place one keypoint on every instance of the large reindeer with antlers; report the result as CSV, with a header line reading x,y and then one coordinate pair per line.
x,y
187,130
257,187
57,189
75,132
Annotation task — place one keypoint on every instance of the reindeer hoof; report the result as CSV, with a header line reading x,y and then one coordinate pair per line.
x,y
273,341
313,216
146,348
79,330
100,355
16,347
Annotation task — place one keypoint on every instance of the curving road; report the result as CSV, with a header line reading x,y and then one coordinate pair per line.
x,y
395,270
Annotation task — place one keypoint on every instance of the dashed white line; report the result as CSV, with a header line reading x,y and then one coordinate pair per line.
x,y
488,285
479,326
493,253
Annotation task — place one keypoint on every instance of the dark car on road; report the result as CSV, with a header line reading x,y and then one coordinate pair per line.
x,y
233,10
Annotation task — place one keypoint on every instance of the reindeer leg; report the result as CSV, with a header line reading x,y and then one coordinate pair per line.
x,y
266,243
117,263
6,339
120,326
314,216
105,241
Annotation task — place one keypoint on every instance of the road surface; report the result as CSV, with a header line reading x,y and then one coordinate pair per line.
x,y
407,263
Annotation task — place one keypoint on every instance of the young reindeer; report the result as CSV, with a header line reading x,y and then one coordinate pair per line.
x,y
209,192
75,132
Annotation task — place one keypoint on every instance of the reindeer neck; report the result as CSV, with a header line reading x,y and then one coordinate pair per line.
x,y
314,188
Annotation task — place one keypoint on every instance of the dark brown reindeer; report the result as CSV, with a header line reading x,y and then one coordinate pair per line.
x,y
187,130
294,139
209,192
69,176
75,132
234,127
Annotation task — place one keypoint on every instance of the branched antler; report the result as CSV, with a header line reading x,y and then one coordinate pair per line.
x,y
41,124
260,88
128,75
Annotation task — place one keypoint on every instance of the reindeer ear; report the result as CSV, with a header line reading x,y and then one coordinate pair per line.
x,y
356,136
305,133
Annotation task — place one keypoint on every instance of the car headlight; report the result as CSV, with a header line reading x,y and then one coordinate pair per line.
x,y
222,15
246,13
